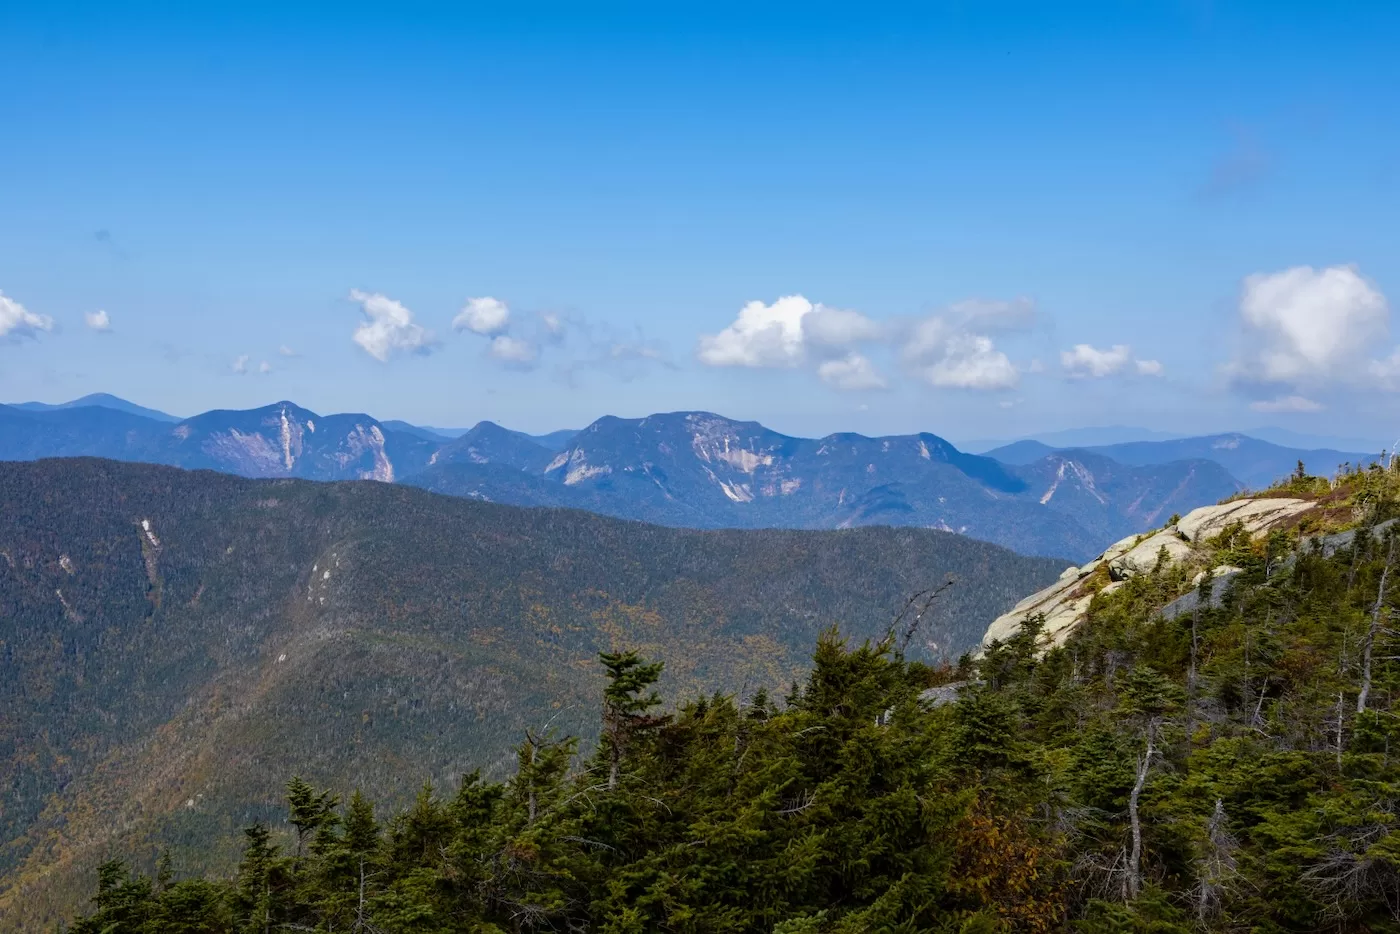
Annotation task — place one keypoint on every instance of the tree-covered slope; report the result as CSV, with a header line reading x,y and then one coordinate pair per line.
x,y
173,644
1232,768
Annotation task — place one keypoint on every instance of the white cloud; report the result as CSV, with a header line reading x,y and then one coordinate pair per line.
x,y
389,327
1307,327
952,349
18,321
264,367
240,363
483,315
945,352
286,351
98,320
1287,404
853,372
761,336
513,350
786,332
1085,360
969,361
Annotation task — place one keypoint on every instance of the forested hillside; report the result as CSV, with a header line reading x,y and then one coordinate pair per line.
x,y
1224,769
174,644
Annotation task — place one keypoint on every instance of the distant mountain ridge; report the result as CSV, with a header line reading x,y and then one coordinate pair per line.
x,y
1253,462
1077,438
701,470
1100,437
281,440
101,399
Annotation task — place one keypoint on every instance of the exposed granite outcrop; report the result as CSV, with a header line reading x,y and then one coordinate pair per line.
x,y
1066,602
1221,579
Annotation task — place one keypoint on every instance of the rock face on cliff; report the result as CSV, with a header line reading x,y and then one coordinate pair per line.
x,y
1066,602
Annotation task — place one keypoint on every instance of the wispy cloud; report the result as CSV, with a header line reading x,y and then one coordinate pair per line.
x,y
105,238
1085,361
854,371
16,321
1241,166
98,320
1287,404
513,350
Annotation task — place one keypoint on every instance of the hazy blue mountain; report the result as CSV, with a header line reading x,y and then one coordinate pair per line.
x,y
555,440
103,399
489,443
426,434
1021,452
280,440
445,432
1113,499
702,470
285,440
1254,463
29,434
1295,439
1077,438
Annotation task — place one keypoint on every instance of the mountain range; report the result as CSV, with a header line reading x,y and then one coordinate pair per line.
x,y
174,644
101,399
1122,434
1253,462
697,469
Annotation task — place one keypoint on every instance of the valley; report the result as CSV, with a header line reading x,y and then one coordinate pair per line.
x,y
175,643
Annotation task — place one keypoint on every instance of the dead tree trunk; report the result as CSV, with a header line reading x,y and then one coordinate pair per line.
x,y
1144,764
1341,727
360,908
1216,867
1371,631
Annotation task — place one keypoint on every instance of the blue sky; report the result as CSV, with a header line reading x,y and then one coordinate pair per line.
x,y
1203,195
